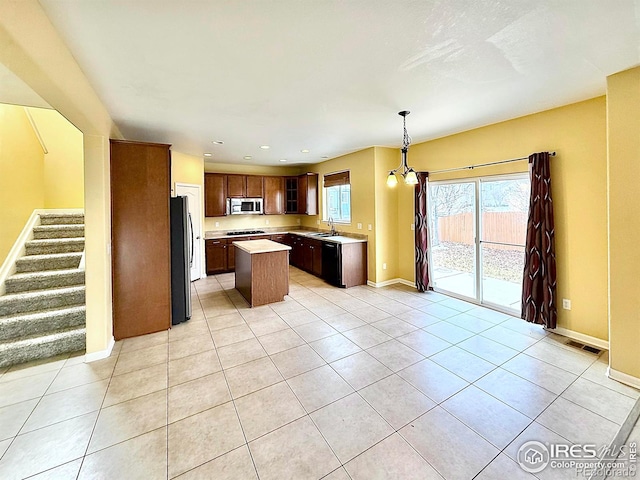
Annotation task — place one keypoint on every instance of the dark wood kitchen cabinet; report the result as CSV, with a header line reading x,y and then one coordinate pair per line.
x,y
236,186
254,186
312,256
273,195
140,238
301,194
215,195
308,194
216,256
291,194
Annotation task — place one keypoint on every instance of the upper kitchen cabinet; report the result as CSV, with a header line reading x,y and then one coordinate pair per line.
x,y
291,194
308,194
301,194
254,186
244,186
215,192
273,195
140,238
236,186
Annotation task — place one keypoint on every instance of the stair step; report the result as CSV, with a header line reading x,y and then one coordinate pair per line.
x,y
54,261
58,231
61,218
25,302
54,245
41,323
23,282
35,348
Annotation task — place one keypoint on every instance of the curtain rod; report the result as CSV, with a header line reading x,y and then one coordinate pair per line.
x,y
471,167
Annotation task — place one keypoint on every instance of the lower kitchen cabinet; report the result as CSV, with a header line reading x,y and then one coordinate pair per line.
x,y
312,256
216,255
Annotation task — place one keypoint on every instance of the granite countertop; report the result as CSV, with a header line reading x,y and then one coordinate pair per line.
x,y
260,246
301,233
332,239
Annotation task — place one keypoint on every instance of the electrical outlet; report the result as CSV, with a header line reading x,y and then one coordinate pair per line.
x,y
266,222
217,224
359,226
370,227
413,226
298,221
566,304
384,266
317,222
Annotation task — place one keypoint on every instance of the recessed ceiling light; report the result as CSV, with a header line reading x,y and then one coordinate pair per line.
x,y
283,159
208,154
304,151
264,147
247,157
217,142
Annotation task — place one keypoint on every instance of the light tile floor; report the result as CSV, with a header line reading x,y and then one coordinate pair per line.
x,y
361,383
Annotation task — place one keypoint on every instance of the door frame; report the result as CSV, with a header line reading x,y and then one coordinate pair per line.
x,y
479,300
203,267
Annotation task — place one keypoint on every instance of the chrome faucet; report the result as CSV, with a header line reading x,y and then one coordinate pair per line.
x,y
332,226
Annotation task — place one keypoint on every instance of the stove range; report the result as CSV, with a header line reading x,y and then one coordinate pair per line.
x,y
249,232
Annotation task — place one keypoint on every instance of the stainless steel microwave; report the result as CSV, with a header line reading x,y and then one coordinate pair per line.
x,y
244,206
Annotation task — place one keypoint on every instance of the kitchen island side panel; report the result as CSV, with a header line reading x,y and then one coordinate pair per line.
x,y
270,277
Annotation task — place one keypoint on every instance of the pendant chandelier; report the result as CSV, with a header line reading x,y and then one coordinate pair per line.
x,y
408,173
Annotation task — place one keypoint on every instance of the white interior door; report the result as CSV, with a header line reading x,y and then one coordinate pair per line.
x,y
194,194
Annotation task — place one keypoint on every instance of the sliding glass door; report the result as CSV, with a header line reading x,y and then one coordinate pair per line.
x,y
477,233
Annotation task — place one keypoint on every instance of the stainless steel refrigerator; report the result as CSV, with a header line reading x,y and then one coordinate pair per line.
x,y
181,260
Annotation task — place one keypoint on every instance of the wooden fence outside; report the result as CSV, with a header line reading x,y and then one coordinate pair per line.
x,y
502,227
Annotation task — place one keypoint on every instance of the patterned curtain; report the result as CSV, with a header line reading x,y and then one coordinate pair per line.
x,y
539,279
422,233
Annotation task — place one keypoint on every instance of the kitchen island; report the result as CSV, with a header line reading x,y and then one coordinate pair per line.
x,y
262,271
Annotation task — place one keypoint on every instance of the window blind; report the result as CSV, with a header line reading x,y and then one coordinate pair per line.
x,y
339,178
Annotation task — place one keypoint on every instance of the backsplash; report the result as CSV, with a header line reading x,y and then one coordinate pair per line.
x,y
246,222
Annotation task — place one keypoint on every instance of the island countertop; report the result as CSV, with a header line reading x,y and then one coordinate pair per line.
x,y
261,246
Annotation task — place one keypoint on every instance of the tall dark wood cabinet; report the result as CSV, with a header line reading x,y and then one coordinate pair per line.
x,y
215,195
140,238
273,195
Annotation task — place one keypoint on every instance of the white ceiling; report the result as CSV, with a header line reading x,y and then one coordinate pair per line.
x,y
331,75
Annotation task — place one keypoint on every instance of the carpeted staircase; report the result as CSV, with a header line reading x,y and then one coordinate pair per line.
x,y
42,313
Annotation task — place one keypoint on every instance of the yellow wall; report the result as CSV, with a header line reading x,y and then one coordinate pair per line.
x,y
361,165
623,123
577,133
186,169
32,49
21,175
386,211
64,160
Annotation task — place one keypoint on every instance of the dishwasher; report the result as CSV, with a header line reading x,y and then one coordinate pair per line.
x,y
331,271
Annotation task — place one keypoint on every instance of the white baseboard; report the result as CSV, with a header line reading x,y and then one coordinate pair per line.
x,y
581,337
623,378
100,355
393,281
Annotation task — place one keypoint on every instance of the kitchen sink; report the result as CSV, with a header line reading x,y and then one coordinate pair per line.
x,y
321,234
